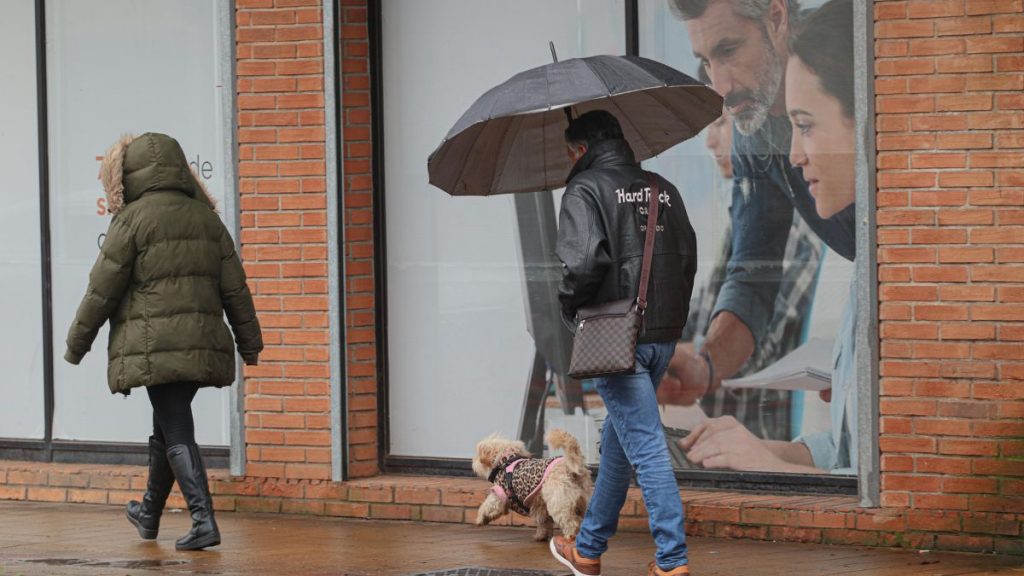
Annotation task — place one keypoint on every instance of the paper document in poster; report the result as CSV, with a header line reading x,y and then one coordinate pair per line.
x,y
809,367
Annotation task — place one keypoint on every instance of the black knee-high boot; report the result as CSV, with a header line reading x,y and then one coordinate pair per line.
x,y
145,515
191,475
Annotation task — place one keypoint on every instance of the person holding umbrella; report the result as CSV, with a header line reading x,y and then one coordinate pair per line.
x,y
520,136
601,234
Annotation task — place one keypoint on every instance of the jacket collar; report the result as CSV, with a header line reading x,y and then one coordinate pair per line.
x,y
604,153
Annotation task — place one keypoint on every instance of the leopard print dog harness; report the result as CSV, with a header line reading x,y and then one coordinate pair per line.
x,y
518,480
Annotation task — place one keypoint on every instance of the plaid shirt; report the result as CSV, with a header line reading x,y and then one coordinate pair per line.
x,y
764,412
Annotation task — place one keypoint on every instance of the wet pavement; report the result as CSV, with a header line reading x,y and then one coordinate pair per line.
x,y
87,540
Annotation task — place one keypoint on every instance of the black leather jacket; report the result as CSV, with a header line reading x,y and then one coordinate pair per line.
x,y
601,244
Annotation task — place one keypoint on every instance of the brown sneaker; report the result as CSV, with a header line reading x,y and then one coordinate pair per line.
x,y
654,570
564,550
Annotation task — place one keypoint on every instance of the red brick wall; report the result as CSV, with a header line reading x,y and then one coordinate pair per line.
x,y
950,121
361,353
282,189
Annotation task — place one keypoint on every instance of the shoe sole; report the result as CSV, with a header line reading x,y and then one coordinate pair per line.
x,y
145,533
565,562
212,539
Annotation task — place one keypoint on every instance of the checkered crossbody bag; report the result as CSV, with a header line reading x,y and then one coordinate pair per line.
x,y
606,334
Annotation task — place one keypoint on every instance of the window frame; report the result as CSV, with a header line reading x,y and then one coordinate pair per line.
x,y
866,484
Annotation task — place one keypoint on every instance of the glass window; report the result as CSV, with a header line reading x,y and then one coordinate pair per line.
x,y
473,336
21,335
461,308
122,66
787,139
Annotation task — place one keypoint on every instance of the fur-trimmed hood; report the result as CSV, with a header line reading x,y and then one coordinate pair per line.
x,y
152,161
166,278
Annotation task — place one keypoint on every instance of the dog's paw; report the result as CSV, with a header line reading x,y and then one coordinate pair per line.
x,y
543,533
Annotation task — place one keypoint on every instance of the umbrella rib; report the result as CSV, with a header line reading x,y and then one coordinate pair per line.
x,y
692,97
544,126
611,98
469,151
631,123
653,95
544,148
647,73
500,170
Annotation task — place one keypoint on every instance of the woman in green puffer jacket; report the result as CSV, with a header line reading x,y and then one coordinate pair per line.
x,y
165,277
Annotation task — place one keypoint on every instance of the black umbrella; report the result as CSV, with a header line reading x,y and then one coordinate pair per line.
x,y
511,139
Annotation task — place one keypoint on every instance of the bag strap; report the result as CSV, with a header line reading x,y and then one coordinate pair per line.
x,y
653,204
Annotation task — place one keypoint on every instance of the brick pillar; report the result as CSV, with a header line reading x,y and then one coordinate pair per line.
x,y
361,355
284,235
950,76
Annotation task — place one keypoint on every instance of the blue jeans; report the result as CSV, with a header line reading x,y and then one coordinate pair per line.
x,y
633,438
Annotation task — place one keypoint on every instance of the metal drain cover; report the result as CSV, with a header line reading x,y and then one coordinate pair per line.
x,y
123,564
482,571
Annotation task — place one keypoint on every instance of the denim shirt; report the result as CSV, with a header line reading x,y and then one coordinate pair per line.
x,y
766,189
836,451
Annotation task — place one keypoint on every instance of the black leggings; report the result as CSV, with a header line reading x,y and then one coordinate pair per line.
x,y
172,413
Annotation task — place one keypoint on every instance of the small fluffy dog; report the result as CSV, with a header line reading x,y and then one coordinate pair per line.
x,y
551,490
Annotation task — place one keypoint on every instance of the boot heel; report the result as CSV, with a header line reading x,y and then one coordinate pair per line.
x,y
211,539
144,533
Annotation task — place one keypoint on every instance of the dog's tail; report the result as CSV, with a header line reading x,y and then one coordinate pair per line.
x,y
559,439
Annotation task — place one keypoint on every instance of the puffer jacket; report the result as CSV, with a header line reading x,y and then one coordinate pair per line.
x,y
601,241
165,276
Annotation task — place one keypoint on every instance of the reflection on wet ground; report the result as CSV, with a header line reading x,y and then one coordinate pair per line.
x,y
85,540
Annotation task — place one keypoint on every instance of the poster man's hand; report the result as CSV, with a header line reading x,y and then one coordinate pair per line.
x,y
686,379
725,443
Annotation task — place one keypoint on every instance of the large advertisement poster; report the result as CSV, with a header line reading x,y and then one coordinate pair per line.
x,y
21,335
115,67
763,377
770,189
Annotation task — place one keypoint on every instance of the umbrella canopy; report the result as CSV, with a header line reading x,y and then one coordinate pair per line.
x,y
511,139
